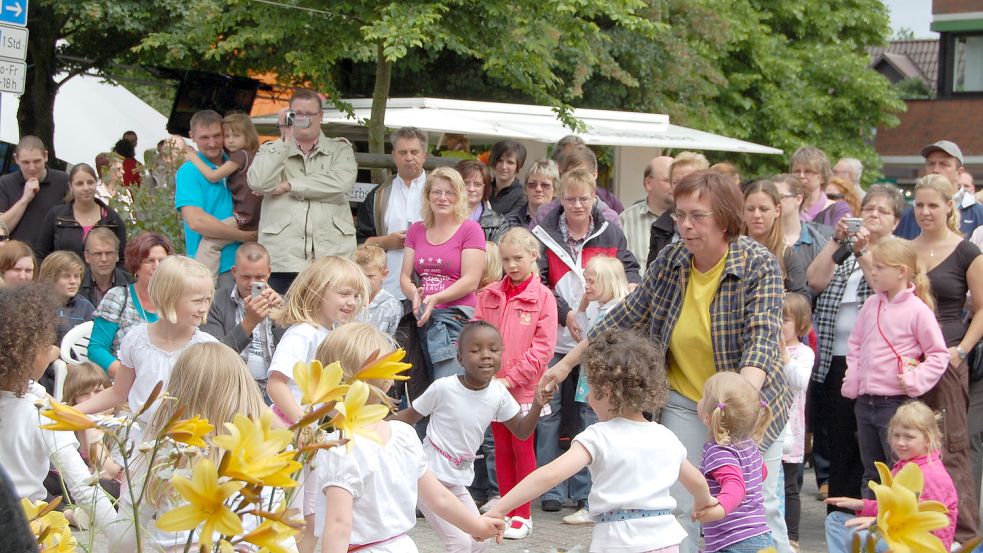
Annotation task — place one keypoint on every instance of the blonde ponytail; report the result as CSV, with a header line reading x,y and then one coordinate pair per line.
x,y
923,288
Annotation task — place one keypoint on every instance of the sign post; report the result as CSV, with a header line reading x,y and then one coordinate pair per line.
x,y
13,45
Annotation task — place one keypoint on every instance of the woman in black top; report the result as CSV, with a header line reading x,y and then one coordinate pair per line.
x,y
954,266
66,225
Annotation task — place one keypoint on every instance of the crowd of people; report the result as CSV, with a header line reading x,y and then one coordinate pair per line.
x,y
666,369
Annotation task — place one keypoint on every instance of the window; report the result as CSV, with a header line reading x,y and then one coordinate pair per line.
x,y
967,63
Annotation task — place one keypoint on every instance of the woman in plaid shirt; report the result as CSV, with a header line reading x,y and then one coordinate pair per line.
x,y
713,301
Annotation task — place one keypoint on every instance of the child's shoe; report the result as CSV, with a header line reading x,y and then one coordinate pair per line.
x,y
518,528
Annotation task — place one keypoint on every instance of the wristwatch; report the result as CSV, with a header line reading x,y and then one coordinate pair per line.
x,y
961,353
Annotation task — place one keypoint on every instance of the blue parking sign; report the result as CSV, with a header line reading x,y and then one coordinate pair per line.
x,y
13,12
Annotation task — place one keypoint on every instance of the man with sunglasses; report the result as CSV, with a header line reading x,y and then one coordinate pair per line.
x,y
305,178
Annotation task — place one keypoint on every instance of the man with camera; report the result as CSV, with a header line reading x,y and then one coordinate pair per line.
x,y
305,178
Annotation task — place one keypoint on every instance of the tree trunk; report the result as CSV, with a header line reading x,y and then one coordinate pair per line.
x,y
377,121
37,105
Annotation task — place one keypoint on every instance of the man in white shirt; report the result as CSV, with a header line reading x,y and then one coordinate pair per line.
x,y
389,209
637,220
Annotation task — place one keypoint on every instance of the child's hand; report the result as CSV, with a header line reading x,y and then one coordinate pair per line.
x,y
712,513
861,523
544,396
851,503
490,526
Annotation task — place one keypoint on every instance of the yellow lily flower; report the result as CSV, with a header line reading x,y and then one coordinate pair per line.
x,y
206,498
386,367
271,535
904,522
190,431
43,519
319,384
256,452
67,418
355,416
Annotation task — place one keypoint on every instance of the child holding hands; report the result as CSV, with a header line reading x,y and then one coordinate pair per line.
x,y
626,375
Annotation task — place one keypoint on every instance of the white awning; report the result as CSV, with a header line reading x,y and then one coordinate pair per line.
x,y
494,121
90,116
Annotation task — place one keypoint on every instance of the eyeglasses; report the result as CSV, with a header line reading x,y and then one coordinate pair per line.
x,y
696,216
449,194
4,238
835,196
583,200
874,210
544,185
477,185
308,115
101,255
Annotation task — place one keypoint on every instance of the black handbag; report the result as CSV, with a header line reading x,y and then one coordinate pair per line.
x,y
975,360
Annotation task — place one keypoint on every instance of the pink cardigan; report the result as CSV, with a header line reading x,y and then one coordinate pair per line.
x,y
528,326
938,487
912,329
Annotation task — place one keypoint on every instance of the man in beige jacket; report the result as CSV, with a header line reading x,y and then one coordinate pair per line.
x,y
305,178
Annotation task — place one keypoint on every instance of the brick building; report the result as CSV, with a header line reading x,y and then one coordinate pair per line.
x,y
952,67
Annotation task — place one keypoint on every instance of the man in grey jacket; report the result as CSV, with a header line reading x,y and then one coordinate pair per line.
x,y
240,319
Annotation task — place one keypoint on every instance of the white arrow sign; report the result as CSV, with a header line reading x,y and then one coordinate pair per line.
x,y
13,12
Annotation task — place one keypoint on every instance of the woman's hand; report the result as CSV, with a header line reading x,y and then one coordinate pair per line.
x,y
840,233
861,239
573,326
428,305
954,360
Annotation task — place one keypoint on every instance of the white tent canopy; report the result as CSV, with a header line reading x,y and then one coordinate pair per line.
x,y
90,116
493,120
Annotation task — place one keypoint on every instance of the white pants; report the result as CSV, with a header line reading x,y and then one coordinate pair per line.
x,y
454,539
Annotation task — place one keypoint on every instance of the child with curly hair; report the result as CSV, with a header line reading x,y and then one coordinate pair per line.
x,y
626,375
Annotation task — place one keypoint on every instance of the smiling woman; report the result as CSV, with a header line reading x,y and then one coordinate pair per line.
x,y
66,226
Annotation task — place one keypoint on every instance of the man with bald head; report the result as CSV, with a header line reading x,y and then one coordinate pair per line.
x,y
637,220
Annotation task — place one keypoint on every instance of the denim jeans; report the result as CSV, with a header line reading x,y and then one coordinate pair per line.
x,y
873,417
577,487
750,545
839,538
440,343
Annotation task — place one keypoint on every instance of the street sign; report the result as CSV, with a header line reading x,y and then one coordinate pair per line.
x,y
13,73
13,42
13,12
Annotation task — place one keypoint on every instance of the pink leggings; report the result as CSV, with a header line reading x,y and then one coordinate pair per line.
x,y
514,460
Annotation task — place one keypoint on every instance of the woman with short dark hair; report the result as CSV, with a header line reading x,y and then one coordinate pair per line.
x,y
506,160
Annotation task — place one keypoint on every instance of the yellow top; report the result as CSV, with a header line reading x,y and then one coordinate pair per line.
x,y
690,346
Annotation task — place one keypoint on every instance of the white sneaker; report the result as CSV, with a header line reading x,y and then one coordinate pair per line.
x,y
490,504
518,528
579,518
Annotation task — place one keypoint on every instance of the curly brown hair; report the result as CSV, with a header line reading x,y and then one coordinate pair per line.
x,y
28,313
628,367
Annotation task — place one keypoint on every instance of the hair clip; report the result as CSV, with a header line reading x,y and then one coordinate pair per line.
x,y
764,404
720,405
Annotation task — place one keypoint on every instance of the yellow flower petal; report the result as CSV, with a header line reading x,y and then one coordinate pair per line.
x,y
256,452
319,384
355,417
387,367
206,498
903,522
66,418
910,477
190,431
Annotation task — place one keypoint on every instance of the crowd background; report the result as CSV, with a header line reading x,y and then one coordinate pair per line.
x,y
708,266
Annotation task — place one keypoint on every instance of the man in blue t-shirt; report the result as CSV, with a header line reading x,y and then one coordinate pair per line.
x,y
204,205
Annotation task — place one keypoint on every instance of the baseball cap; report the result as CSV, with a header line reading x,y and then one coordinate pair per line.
x,y
945,146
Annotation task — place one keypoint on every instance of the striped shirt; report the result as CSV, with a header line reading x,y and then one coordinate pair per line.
x,y
745,315
637,221
748,519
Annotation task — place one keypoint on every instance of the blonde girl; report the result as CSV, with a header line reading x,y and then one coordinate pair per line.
x,y
799,358
915,438
211,381
372,490
84,381
732,409
241,145
894,330
626,373
181,289
330,292
493,266
524,311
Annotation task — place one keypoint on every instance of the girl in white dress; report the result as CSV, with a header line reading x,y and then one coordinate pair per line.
x,y
626,376
372,488
182,289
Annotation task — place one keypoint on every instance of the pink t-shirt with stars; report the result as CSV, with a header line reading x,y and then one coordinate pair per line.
x,y
439,265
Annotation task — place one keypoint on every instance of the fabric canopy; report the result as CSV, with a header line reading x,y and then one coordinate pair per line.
x,y
493,120
90,116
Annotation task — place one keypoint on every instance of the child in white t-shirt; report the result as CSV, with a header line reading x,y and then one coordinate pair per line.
x,y
460,408
626,376
372,489
329,292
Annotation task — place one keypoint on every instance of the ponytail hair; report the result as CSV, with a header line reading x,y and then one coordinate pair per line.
x,y
947,190
735,409
898,252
